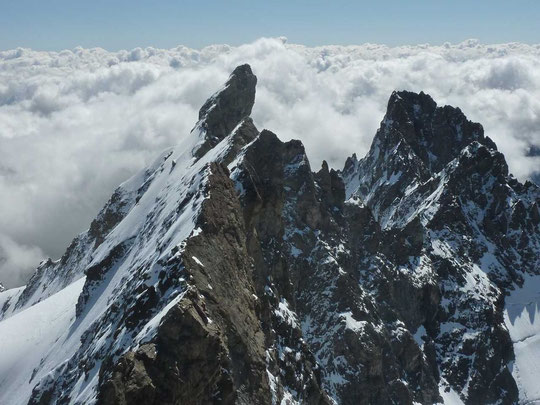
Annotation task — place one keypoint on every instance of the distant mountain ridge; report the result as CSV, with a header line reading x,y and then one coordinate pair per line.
x,y
228,271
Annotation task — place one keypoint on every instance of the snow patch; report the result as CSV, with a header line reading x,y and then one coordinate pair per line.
x,y
522,318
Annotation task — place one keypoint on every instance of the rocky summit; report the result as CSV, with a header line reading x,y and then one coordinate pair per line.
x,y
229,271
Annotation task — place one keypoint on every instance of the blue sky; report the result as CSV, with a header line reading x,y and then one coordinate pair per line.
x,y
121,24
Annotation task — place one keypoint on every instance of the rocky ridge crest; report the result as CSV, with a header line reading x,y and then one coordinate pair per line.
x,y
230,272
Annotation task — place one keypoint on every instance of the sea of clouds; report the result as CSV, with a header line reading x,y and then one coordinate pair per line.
x,y
76,123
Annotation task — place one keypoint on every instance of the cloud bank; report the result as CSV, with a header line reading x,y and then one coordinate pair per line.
x,y
76,123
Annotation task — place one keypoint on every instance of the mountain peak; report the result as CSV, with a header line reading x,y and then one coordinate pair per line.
x,y
435,134
224,110
416,141
414,103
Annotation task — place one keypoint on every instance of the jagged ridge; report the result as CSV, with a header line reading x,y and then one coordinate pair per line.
x,y
228,271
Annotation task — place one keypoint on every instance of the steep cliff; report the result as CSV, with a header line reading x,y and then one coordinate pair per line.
x,y
229,271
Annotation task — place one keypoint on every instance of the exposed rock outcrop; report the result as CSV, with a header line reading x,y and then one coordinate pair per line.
x,y
230,272
222,112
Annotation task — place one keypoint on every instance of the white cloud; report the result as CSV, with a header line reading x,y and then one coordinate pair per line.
x,y
17,261
75,123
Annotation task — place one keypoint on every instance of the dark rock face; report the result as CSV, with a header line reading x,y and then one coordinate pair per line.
x,y
449,210
212,340
435,134
308,244
383,283
223,111
415,141
226,109
209,347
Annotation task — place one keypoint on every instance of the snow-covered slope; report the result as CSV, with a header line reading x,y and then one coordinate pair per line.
x,y
522,318
36,340
124,255
229,272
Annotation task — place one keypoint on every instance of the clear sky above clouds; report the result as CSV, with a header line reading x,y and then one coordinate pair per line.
x,y
123,24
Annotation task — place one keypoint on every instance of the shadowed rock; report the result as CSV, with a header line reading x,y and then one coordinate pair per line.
x,y
227,108
381,284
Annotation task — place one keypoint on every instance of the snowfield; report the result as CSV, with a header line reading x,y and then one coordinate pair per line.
x,y
522,318
43,331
